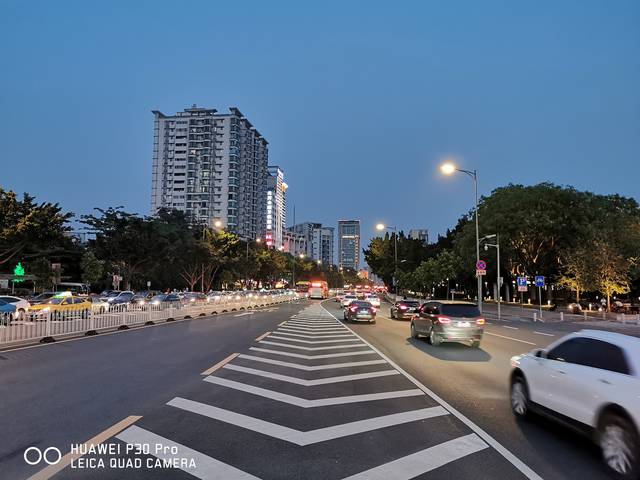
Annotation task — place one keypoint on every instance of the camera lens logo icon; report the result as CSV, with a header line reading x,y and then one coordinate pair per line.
x,y
51,456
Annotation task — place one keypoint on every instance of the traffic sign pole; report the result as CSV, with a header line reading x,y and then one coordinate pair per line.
x,y
540,299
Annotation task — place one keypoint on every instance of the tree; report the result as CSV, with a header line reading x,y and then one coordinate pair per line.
x,y
612,276
578,271
29,229
92,268
41,268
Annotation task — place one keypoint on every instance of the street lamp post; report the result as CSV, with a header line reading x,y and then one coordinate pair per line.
x,y
497,247
380,227
293,269
448,169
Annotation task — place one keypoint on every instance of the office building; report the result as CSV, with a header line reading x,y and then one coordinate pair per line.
x,y
276,214
213,167
419,234
319,241
349,244
294,243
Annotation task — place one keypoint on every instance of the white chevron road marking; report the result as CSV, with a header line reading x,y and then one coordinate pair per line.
x,y
207,468
300,347
312,342
303,402
312,357
281,331
313,436
312,368
310,383
425,460
314,331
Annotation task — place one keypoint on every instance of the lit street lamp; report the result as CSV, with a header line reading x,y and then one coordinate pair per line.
x,y
380,227
449,168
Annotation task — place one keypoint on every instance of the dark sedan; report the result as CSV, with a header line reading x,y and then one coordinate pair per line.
x,y
359,310
448,321
404,309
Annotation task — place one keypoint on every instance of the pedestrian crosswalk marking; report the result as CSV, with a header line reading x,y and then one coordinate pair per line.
x,y
312,357
310,437
320,402
300,347
310,383
311,368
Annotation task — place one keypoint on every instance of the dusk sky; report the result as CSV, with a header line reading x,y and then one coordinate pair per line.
x,y
360,101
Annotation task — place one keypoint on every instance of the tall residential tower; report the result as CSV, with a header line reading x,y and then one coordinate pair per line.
x,y
349,244
212,166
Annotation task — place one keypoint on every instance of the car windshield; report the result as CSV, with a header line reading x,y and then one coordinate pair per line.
x,y
460,310
361,304
410,303
56,301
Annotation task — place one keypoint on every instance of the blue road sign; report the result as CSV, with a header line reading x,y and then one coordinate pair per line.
x,y
522,281
539,281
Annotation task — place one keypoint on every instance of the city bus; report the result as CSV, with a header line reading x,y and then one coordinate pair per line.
x,y
319,289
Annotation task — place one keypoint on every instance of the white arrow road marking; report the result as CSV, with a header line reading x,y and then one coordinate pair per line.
x,y
310,383
299,347
313,436
207,468
312,342
281,331
311,368
311,357
303,402
425,460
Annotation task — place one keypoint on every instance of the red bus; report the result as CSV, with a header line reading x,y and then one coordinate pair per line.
x,y
318,289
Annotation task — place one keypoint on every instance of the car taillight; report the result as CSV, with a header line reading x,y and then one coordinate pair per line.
x,y
479,321
354,309
444,320
403,307
374,309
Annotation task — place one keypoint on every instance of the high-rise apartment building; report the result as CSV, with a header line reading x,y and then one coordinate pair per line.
x,y
212,166
319,241
294,243
349,244
276,213
419,234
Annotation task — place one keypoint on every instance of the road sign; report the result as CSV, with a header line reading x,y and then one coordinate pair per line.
x,y
539,281
481,265
522,284
480,272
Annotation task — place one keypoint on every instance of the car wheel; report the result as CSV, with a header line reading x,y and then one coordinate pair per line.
x,y
414,333
620,446
475,344
434,338
519,396
391,314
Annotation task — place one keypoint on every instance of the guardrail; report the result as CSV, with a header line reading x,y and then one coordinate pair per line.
x,y
47,326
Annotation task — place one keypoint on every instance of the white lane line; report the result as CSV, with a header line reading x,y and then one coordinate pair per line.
x,y
509,338
309,383
510,457
218,365
312,357
243,314
264,335
273,336
280,331
425,460
303,402
311,368
314,331
314,327
312,436
300,347
207,468
507,326
542,333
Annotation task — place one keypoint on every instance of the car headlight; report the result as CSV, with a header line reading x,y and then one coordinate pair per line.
x,y
46,309
515,361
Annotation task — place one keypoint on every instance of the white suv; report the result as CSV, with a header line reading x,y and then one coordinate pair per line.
x,y
590,380
347,299
373,300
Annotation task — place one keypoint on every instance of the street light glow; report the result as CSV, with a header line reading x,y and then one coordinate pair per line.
x,y
258,240
447,168
380,227
217,224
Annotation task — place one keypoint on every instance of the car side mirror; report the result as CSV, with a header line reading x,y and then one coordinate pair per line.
x,y
540,353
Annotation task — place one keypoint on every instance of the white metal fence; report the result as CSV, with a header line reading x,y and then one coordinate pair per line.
x,y
40,326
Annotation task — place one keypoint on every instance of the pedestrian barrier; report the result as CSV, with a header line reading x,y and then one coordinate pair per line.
x,y
47,326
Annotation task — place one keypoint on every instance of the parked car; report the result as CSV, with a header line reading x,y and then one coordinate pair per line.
x,y
168,299
98,305
347,299
64,308
404,309
589,380
142,298
22,305
373,300
120,301
360,310
42,297
448,321
8,312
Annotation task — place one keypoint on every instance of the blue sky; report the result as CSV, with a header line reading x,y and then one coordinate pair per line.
x,y
359,100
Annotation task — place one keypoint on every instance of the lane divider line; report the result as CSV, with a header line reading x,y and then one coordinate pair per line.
x,y
66,460
547,334
512,328
264,335
509,338
220,364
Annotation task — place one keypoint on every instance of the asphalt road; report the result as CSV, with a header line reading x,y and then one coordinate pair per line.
x,y
475,381
298,395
